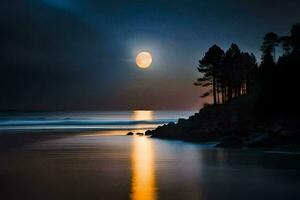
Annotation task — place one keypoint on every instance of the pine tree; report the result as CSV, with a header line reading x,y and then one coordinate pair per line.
x,y
209,67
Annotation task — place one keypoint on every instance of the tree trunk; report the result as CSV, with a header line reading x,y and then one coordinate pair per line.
x,y
214,90
229,92
223,92
226,92
218,94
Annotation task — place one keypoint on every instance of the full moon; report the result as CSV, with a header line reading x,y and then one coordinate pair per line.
x,y
143,59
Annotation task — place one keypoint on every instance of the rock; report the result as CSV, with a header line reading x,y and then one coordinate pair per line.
x,y
130,133
181,120
140,134
234,124
148,132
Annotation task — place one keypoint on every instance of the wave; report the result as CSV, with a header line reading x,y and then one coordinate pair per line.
x,y
106,120
82,122
79,125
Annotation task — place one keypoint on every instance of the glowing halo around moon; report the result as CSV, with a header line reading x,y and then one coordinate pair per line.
x,y
143,59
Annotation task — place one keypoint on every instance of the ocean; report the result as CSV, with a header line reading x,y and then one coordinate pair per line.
x,y
104,120
40,158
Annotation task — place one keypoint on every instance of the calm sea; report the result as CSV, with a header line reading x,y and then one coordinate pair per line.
x,y
106,164
107,120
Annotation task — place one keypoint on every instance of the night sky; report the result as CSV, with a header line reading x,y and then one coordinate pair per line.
x,y
80,54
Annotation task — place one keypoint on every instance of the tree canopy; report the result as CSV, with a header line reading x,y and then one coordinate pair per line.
x,y
273,83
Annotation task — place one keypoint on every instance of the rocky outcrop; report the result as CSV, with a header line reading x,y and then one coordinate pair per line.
x,y
210,123
233,125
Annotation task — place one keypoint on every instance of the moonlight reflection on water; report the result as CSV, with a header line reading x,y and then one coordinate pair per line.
x,y
143,172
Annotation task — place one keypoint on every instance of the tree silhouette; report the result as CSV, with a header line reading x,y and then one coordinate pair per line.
x,y
286,44
209,67
295,38
268,47
228,69
274,83
231,74
278,81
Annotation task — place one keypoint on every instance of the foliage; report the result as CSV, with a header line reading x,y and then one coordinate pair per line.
x,y
230,74
274,83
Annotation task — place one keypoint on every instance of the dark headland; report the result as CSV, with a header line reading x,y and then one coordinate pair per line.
x,y
255,104
235,125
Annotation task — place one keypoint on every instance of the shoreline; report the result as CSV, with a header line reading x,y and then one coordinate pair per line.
x,y
16,140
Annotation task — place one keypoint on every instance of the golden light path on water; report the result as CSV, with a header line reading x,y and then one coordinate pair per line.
x,y
143,172
143,186
142,115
